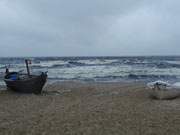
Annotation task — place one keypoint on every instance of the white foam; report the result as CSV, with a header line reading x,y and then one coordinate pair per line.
x,y
97,61
174,62
176,85
50,63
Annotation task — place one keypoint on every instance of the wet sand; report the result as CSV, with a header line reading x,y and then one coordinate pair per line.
x,y
79,108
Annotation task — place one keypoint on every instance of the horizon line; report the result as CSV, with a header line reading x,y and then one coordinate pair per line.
x,y
94,56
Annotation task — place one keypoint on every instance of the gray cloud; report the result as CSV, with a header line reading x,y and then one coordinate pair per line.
x,y
96,27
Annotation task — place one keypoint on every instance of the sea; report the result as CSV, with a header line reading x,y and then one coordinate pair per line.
x,y
98,69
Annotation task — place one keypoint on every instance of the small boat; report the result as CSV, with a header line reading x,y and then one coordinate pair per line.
x,y
163,90
25,83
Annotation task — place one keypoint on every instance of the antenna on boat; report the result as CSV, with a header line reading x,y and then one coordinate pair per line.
x,y
27,66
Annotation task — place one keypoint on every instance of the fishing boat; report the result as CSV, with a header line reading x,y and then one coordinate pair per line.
x,y
25,83
163,90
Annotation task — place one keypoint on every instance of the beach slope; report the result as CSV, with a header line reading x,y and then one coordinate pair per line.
x,y
79,108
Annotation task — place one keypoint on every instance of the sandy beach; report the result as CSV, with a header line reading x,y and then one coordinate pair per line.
x,y
81,108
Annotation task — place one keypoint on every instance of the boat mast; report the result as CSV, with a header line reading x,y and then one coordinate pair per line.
x,y
27,67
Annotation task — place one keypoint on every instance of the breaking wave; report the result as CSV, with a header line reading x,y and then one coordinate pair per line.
x,y
100,68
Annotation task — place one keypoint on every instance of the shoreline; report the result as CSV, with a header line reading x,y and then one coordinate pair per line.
x,y
54,81
88,108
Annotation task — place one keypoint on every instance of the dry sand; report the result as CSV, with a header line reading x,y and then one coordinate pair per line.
x,y
77,108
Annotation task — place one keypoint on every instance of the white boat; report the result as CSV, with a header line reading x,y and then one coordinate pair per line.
x,y
163,90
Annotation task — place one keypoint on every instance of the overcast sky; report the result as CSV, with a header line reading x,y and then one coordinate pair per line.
x,y
89,27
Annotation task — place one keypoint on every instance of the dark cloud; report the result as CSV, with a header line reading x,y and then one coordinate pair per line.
x,y
96,27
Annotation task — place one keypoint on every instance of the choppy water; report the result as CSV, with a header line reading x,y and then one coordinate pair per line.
x,y
100,68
